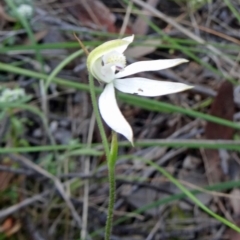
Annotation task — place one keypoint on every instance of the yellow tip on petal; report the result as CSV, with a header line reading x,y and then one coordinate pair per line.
x,y
189,87
129,39
132,143
184,60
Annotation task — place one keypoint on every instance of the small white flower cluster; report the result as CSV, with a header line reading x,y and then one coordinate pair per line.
x,y
25,10
11,95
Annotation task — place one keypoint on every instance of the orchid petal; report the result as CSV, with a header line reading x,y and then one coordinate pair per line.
x,y
103,73
154,65
111,114
118,45
128,39
147,87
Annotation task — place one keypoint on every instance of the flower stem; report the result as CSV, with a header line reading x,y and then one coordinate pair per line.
x,y
111,159
98,117
112,185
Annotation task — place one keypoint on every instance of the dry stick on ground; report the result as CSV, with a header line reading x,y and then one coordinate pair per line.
x,y
21,171
40,197
214,32
216,199
184,30
154,230
87,163
159,154
213,193
56,181
126,19
86,184
140,26
27,172
163,158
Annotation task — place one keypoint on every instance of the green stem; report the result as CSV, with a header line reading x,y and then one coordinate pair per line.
x,y
111,158
98,117
112,185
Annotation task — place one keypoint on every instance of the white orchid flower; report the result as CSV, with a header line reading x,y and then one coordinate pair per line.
x,y
108,65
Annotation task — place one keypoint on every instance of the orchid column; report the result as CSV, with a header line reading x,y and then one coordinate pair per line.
x,y
108,65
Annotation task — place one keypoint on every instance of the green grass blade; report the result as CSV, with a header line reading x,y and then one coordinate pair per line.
x,y
233,9
192,197
145,103
61,65
173,143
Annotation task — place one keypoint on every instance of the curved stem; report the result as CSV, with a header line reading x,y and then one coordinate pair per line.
x,y
112,185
